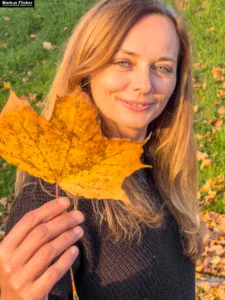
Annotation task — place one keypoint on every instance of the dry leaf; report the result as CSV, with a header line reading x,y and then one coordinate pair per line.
x,y
199,136
33,36
218,73
216,249
195,108
199,66
70,149
217,123
4,165
32,97
206,163
47,46
221,110
23,97
217,102
3,201
212,28
3,45
39,104
221,227
25,79
181,4
216,260
221,94
204,86
201,155
206,188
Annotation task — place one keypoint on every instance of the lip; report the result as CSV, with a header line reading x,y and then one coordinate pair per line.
x,y
135,102
135,108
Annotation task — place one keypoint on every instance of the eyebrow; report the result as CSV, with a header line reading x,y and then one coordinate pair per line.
x,y
137,55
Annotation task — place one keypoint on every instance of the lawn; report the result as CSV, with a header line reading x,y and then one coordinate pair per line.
x,y
29,66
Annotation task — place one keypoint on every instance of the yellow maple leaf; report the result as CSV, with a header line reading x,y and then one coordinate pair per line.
x,y
70,148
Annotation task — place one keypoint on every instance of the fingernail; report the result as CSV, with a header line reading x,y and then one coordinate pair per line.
x,y
78,231
74,250
64,201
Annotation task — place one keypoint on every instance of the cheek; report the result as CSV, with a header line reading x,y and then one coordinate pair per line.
x,y
111,78
106,83
115,81
105,86
165,88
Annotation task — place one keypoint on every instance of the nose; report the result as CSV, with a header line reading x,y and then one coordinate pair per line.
x,y
143,82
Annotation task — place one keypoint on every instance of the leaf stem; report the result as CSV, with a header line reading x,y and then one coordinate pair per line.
x,y
75,296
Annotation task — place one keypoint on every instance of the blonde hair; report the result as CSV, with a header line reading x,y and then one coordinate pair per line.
x,y
172,147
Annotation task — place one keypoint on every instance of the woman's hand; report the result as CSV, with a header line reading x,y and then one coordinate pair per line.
x,y
30,247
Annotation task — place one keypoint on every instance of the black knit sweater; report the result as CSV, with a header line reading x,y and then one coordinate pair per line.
x,y
155,269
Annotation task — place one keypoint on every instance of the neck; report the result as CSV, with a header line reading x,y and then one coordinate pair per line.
x,y
112,130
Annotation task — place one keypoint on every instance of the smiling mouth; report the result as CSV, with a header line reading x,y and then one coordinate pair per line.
x,y
136,103
135,107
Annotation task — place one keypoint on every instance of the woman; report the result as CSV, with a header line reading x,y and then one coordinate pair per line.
x,y
122,53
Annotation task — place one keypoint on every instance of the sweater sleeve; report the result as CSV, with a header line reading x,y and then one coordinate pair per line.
x,y
31,197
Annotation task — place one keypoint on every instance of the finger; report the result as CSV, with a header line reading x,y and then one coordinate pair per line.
x,y
31,220
39,263
46,281
43,234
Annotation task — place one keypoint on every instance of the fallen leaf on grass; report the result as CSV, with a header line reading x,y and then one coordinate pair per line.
x,y
221,94
221,110
201,155
3,201
199,136
217,102
217,123
25,79
39,104
3,45
33,36
204,86
47,46
199,66
218,73
195,108
211,28
23,97
32,97
206,163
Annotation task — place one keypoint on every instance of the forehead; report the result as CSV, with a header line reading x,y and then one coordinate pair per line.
x,y
152,35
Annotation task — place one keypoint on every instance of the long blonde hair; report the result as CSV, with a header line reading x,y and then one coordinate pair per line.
x,y
172,147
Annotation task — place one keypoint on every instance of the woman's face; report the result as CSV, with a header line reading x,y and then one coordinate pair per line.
x,y
148,74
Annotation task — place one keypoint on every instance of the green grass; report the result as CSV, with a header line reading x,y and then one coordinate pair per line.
x,y
53,21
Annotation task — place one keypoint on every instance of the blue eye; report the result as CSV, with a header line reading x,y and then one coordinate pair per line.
x,y
121,61
163,69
